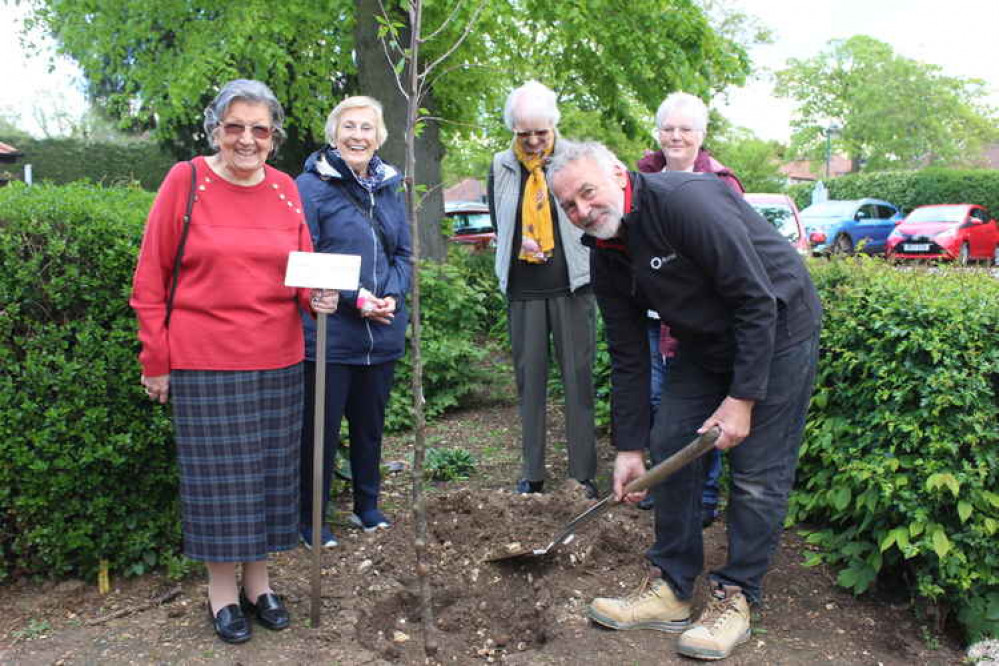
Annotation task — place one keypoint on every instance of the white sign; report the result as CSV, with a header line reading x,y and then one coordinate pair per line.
x,y
319,270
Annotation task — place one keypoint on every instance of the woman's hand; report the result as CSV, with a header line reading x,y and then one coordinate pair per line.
x,y
157,388
530,248
378,310
325,300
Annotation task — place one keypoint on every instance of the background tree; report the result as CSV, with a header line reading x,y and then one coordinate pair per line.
x,y
754,160
894,112
156,65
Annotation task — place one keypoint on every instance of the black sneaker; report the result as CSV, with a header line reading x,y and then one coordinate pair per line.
x,y
647,504
590,489
524,486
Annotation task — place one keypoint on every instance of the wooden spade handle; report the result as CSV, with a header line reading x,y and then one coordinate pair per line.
x,y
701,445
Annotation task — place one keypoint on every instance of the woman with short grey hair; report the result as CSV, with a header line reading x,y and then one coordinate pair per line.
x,y
544,271
354,205
247,91
222,340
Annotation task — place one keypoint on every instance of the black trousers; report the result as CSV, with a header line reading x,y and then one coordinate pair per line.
x,y
359,392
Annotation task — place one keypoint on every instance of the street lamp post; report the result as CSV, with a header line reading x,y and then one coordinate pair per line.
x,y
832,128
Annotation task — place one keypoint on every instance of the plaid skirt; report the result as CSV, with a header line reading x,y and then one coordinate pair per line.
x,y
238,435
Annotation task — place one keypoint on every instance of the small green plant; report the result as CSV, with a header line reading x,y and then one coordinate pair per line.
x,y
930,639
35,629
449,464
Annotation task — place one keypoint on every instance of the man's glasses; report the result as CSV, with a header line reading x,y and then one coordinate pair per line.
x,y
258,131
684,131
527,134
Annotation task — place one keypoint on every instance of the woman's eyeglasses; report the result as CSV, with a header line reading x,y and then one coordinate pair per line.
x,y
258,131
526,134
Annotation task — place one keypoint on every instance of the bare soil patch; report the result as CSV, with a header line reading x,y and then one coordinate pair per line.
x,y
524,613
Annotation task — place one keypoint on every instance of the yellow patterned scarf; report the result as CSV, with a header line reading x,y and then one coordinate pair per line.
x,y
536,213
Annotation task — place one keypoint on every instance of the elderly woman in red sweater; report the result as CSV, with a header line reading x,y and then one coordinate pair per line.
x,y
222,339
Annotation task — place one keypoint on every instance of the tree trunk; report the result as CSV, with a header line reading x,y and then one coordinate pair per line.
x,y
377,79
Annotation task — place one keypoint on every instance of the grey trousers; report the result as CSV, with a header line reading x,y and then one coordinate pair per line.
x,y
571,322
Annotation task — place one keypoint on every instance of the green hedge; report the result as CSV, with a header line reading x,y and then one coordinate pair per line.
x,y
909,189
64,160
87,464
899,469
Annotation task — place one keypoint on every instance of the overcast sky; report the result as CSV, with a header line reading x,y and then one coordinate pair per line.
x,y
958,35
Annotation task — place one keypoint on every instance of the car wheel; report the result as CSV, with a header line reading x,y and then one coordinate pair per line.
x,y
964,254
843,245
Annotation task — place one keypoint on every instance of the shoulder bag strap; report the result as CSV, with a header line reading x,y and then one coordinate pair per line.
x,y
370,217
180,246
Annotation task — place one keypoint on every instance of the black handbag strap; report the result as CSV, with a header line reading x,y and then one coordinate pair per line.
x,y
180,246
371,218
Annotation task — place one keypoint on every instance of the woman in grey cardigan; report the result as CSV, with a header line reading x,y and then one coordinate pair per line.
x,y
544,271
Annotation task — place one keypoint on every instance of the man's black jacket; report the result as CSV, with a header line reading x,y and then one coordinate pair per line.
x,y
730,286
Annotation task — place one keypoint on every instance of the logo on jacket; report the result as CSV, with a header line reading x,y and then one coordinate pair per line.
x,y
658,262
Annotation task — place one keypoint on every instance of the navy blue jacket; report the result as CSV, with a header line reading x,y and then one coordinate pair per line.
x,y
731,288
333,201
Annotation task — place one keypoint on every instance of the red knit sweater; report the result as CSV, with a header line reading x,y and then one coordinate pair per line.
x,y
231,310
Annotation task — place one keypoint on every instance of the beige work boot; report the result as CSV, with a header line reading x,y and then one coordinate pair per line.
x,y
723,625
652,606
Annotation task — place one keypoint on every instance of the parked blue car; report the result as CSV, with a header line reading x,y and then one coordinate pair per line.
x,y
845,226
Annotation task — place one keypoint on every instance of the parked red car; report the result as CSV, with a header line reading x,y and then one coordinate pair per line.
x,y
470,224
962,232
780,211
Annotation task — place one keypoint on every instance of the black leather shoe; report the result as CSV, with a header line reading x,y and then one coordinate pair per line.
x,y
230,624
269,609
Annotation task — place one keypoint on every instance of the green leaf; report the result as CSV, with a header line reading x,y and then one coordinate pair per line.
x,y
941,544
990,526
944,479
840,497
963,511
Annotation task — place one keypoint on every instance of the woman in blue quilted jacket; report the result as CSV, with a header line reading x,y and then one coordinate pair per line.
x,y
354,205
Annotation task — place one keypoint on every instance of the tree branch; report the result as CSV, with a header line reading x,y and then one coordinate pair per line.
x,y
443,25
458,42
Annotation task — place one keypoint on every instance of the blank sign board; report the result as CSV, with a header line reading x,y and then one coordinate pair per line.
x,y
319,270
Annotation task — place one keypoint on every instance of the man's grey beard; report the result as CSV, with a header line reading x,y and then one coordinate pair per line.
x,y
611,223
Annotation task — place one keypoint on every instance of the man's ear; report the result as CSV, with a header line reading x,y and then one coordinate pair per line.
x,y
620,174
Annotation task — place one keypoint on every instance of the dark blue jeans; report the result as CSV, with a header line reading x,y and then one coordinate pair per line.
x,y
763,467
660,367
359,392
660,376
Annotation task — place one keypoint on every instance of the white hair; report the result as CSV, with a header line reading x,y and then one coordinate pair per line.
x,y
570,152
685,103
531,100
357,102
